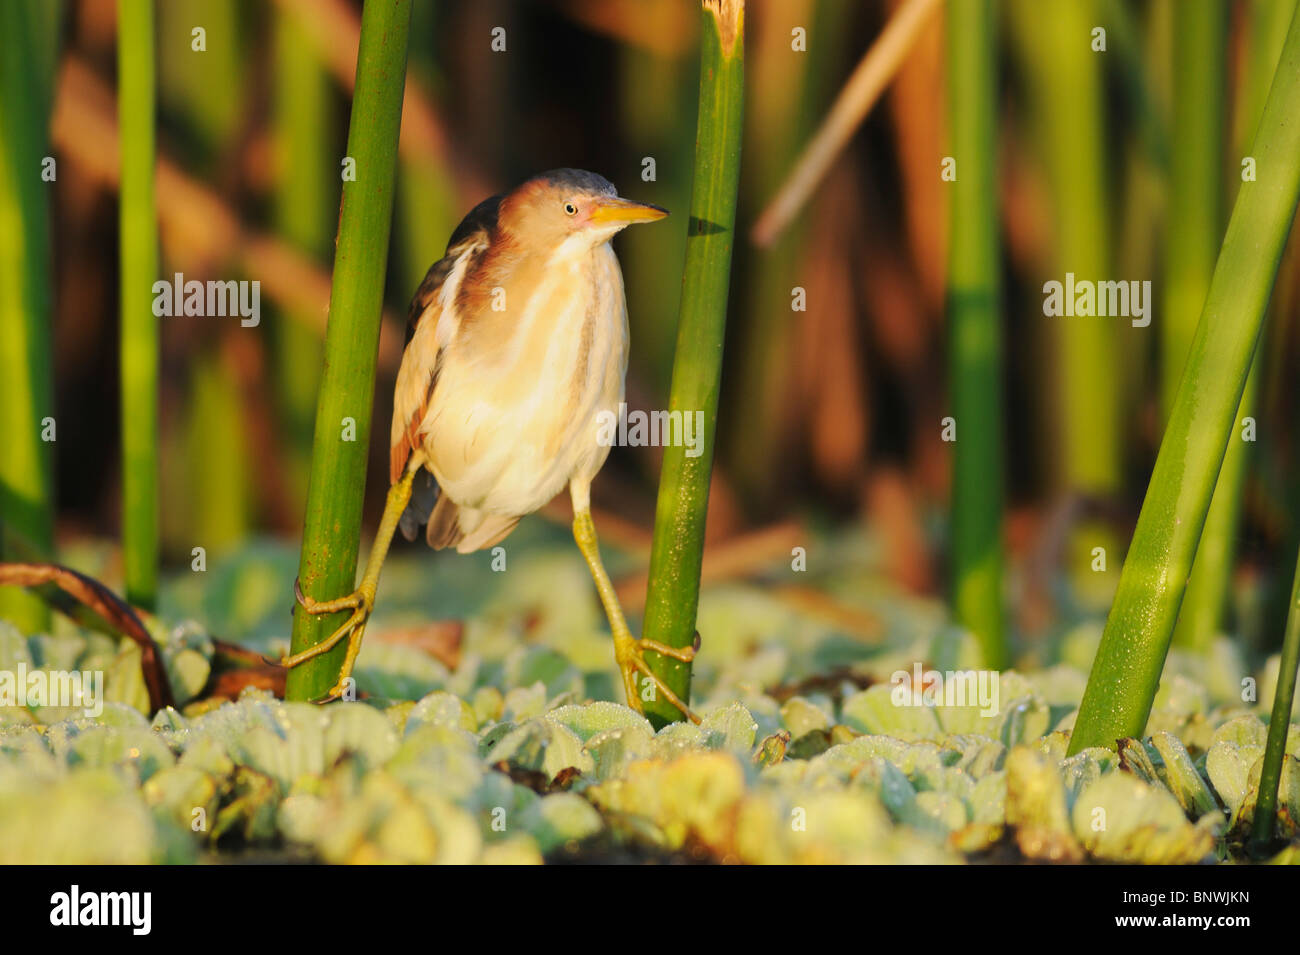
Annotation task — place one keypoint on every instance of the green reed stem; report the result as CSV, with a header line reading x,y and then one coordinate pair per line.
x,y
974,332
1208,589
26,361
1126,671
1194,233
1064,76
678,548
138,229
1279,723
331,535
306,185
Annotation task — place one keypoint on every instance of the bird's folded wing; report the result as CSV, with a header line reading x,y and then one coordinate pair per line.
x,y
430,326
418,374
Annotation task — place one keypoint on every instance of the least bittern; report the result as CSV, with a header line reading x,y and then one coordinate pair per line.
x,y
516,343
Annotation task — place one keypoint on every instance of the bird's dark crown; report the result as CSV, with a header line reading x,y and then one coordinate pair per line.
x,y
579,180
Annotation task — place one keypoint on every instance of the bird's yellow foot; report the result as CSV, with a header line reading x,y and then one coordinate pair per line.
x,y
360,602
629,652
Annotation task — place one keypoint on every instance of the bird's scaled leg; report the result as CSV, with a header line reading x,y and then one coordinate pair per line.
x,y
629,651
362,600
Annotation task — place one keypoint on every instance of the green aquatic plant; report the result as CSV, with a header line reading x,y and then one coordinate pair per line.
x,y
26,356
1064,76
1209,587
332,531
301,112
1275,755
140,355
974,330
678,547
1126,672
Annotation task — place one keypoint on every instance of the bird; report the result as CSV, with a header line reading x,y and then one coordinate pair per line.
x,y
516,347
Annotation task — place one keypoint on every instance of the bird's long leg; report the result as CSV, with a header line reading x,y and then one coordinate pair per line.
x,y
362,600
628,650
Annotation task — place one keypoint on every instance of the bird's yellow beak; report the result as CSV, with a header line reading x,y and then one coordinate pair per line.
x,y
625,211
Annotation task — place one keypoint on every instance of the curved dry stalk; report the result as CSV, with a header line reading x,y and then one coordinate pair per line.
x,y
92,605
851,107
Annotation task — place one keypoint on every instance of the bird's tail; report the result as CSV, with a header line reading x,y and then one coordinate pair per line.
x,y
424,496
466,528
446,523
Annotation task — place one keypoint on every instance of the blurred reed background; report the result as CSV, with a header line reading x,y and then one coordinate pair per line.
x,y
1114,165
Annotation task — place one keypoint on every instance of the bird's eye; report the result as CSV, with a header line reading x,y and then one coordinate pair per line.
x,y
570,209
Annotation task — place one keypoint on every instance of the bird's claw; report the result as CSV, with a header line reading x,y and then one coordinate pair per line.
x,y
630,653
360,603
357,600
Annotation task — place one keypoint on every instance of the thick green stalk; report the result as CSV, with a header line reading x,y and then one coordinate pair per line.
x,y
306,184
974,333
676,554
1207,590
1279,722
1126,672
138,230
331,535
1195,230
1196,181
1075,123
26,363
217,483
202,94
1065,79
204,90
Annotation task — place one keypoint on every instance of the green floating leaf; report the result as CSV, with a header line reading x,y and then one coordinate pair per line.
x,y
1134,759
560,818
138,750
359,730
441,760
695,798
536,664
588,719
186,796
541,745
1036,807
1119,818
1229,767
801,717
441,709
613,749
730,727
1180,775
488,705
888,783
524,703
88,817
874,711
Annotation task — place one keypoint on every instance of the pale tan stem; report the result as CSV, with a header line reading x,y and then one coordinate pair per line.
x,y
851,107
